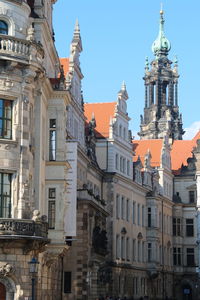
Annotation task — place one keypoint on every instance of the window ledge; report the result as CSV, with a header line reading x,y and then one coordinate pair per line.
x,y
8,141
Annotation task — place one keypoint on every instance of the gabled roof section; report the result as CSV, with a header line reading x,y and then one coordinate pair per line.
x,y
141,147
181,151
102,112
65,63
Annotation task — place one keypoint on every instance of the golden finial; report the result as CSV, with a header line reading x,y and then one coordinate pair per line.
x,y
161,9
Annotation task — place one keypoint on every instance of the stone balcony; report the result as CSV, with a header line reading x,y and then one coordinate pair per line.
x,y
12,48
22,228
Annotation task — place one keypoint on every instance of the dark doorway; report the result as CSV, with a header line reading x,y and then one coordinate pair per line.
x,y
2,292
187,292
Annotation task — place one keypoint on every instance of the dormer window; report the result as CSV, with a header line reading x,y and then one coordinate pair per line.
x,y
3,27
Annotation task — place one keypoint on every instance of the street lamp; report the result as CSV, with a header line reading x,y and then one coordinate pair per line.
x,y
33,269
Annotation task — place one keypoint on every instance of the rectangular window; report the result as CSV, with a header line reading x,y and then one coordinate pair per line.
x,y
190,257
123,247
52,208
117,161
176,227
142,215
117,206
133,251
189,227
5,195
139,251
52,139
127,210
127,249
133,216
177,256
67,282
138,214
191,196
149,252
118,254
5,119
143,251
149,216
122,207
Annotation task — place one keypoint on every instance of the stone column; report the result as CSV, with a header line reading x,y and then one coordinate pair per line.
x,y
176,94
151,94
157,92
146,95
171,94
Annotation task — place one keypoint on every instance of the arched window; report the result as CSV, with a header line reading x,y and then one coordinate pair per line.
x,y
3,27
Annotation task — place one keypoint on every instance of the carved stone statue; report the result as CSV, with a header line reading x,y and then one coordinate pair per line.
x,y
6,269
36,216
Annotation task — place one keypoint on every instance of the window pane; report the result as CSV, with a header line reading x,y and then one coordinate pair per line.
x,y
189,227
67,282
3,27
5,195
190,257
51,214
52,145
5,119
52,123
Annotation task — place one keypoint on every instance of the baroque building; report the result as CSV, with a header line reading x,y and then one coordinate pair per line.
x,y
101,213
34,156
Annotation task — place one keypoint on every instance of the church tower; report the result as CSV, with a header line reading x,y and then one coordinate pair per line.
x,y
161,112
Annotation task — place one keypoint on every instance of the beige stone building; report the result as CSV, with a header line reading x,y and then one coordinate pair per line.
x,y
34,157
122,215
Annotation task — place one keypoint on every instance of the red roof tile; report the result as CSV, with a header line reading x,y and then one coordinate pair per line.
x,y
65,63
140,147
181,151
102,112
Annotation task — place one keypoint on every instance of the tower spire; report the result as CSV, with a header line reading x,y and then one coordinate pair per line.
x,y
161,112
161,46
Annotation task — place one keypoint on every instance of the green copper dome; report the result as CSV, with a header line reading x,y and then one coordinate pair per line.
x,y
161,46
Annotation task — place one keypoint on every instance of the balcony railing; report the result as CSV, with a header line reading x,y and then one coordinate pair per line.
x,y
20,49
23,228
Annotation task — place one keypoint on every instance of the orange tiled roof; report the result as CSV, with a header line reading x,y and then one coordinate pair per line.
x,y
181,151
140,147
65,62
102,112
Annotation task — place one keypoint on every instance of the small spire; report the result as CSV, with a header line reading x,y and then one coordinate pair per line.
x,y
77,27
122,94
123,88
161,8
161,45
175,60
146,63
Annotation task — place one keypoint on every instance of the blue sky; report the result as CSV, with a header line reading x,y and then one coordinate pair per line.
x,y
117,36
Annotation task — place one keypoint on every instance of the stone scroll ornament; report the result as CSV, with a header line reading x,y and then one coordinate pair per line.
x,y
6,269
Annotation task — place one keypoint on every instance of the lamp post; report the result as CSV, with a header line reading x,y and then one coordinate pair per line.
x,y
33,269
